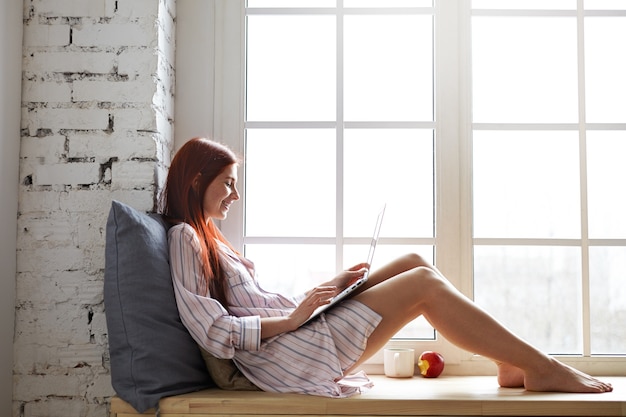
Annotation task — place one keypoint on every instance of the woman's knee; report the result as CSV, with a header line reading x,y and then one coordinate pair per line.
x,y
414,260
410,290
414,289
426,280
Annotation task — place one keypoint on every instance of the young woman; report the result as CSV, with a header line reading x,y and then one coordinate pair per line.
x,y
231,316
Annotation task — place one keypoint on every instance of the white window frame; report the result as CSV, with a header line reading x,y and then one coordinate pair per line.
x,y
211,46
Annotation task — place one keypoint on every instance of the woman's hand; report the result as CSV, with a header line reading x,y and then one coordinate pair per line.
x,y
315,298
349,276
318,296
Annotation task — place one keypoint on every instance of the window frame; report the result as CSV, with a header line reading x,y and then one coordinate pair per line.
x,y
453,128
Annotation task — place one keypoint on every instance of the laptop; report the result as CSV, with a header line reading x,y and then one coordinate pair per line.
x,y
352,287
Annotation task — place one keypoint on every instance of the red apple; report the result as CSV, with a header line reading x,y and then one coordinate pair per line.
x,y
430,364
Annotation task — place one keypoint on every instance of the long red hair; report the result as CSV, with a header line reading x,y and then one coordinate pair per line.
x,y
196,164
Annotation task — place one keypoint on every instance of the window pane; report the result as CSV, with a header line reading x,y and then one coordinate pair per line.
x,y
291,68
534,291
385,253
388,68
292,3
393,166
526,184
605,172
524,4
524,70
388,3
417,329
605,69
608,300
290,182
292,269
605,5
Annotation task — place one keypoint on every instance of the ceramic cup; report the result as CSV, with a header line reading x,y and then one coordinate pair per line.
x,y
399,362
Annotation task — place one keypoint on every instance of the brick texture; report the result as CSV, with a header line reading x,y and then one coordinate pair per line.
x,y
97,125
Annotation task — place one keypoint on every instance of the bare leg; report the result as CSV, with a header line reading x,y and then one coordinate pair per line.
x,y
509,376
422,290
396,267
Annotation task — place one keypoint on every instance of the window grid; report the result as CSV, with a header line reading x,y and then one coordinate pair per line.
x,y
340,124
585,242
582,127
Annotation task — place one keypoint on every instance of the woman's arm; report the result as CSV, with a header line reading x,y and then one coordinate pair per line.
x,y
314,298
208,322
318,296
345,278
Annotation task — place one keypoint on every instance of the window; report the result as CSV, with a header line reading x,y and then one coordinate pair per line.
x,y
503,153
548,113
339,119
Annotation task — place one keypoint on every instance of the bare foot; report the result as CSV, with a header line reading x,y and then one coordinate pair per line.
x,y
559,377
510,376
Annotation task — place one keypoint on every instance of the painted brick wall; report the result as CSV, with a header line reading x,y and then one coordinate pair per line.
x,y
97,125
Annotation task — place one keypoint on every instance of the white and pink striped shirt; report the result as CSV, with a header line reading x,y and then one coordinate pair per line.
x,y
308,360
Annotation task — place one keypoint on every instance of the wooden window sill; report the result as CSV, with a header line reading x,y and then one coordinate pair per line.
x,y
417,396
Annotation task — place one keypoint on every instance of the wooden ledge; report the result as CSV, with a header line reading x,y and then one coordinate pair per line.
x,y
417,396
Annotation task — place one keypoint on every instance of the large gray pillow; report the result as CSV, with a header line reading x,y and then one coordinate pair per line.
x,y
152,353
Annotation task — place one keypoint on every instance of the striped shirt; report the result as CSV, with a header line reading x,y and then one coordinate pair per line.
x,y
309,360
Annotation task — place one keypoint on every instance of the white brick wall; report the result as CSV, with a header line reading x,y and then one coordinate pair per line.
x,y
97,125
56,63
46,35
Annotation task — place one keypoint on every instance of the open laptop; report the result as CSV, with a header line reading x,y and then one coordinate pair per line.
x,y
352,287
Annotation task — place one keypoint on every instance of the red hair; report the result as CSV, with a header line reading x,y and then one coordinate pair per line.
x,y
196,164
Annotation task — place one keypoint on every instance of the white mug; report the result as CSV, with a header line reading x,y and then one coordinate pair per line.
x,y
399,362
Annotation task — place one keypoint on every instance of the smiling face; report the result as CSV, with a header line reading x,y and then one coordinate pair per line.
x,y
221,193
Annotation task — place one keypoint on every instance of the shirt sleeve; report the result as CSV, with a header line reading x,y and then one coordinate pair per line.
x,y
208,322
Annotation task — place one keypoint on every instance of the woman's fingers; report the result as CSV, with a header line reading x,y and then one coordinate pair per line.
x,y
321,295
362,265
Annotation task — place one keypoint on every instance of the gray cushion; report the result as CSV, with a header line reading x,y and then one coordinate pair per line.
x,y
152,353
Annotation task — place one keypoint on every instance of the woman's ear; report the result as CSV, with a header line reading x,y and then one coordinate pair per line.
x,y
196,183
